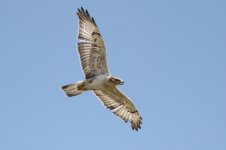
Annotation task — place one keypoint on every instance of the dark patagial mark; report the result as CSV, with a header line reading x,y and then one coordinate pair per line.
x,y
95,33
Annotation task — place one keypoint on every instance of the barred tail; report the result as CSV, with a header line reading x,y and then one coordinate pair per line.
x,y
72,89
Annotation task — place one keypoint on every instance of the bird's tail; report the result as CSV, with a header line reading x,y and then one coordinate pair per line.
x,y
72,89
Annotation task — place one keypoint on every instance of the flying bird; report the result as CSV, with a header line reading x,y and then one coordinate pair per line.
x,y
92,54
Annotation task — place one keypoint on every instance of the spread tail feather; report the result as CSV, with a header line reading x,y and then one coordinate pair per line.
x,y
72,89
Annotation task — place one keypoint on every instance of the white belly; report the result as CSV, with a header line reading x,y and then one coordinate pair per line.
x,y
95,83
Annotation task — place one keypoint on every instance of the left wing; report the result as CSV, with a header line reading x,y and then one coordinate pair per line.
x,y
120,105
91,46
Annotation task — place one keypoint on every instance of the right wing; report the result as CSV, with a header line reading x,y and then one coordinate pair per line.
x,y
91,46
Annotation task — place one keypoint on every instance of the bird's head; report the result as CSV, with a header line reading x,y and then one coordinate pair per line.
x,y
115,81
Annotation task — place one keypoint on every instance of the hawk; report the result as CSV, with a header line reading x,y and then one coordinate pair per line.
x,y
92,54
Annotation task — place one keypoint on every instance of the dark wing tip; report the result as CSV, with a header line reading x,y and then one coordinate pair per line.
x,y
82,8
84,14
135,124
94,22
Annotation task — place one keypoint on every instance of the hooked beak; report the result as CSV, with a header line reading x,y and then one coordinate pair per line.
x,y
121,83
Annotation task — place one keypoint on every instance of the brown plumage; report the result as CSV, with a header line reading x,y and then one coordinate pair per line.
x,y
92,54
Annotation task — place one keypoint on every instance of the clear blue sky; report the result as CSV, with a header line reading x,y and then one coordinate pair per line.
x,y
170,53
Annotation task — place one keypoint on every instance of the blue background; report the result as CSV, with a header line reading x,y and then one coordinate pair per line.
x,y
170,53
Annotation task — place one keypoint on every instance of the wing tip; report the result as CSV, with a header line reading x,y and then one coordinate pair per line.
x,y
84,14
136,124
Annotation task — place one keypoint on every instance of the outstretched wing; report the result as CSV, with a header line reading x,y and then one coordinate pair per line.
x,y
120,105
91,46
